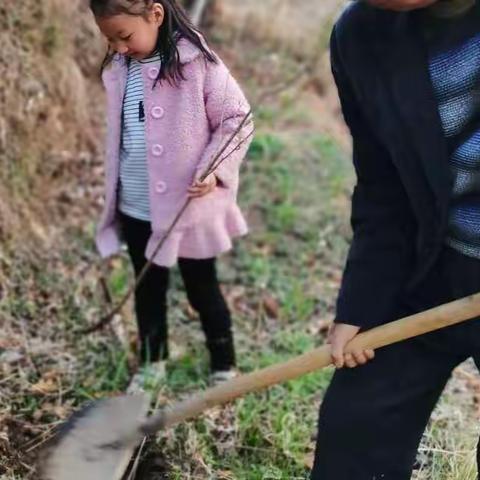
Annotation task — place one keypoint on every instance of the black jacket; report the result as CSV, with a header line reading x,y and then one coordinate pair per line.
x,y
400,203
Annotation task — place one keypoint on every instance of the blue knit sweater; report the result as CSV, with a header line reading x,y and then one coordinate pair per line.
x,y
454,63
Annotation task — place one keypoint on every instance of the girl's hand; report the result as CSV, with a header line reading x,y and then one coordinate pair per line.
x,y
338,337
200,189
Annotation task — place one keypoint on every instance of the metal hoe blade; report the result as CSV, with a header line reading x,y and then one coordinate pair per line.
x,y
90,447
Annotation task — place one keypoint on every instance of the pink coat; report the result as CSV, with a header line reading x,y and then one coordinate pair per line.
x,y
185,126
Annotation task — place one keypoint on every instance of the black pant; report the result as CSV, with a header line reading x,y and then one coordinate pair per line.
x,y
203,292
373,417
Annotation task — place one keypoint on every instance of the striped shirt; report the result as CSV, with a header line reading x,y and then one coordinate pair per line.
x,y
454,51
134,198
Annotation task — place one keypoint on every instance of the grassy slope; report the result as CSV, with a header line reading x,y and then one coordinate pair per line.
x,y
280,282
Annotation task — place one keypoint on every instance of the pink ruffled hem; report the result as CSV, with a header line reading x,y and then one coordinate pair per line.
x,y
207,239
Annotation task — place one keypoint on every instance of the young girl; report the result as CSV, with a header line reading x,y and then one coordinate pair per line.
x,y
171,105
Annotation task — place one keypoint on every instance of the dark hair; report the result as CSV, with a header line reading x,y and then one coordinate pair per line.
x,y
176,25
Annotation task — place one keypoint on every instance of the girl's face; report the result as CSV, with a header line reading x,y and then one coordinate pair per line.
x,y
133,35
401,5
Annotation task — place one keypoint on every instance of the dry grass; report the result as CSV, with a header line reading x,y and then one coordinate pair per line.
x,y
51,173
45,100
299,27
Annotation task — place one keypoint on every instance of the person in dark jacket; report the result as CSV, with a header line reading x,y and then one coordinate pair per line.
x,y
408,76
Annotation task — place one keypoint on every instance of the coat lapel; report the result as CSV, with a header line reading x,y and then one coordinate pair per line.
x,y
405,58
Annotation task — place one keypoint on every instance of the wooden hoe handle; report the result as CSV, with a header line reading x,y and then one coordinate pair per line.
x,y
412,326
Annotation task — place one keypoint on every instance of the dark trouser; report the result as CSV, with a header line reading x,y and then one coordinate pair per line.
x,y
373,417
203,292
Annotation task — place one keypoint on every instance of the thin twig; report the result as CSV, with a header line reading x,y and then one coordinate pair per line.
x,y
304,72
446,452
141,276
42,438
105,290
28,350
136,462
231,152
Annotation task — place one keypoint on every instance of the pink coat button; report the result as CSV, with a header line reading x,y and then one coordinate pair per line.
x,y
158,112
157,150
161,187
153,73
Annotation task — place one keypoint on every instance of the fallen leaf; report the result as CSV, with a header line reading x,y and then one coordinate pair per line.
x,y
44,387
308,460
51,375
271,306
11,357
191,313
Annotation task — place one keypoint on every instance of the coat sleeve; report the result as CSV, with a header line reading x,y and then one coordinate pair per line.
x,y
226,107
381,255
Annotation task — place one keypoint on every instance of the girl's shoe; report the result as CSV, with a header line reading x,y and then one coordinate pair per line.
x,y
221,376
148,378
